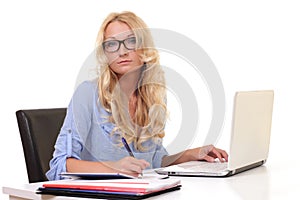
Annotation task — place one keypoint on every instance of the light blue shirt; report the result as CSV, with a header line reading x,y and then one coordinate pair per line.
x,y
86,135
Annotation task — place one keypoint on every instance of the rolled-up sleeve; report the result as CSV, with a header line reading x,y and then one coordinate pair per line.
x,y
75,128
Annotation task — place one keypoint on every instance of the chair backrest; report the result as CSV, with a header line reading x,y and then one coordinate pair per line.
x,y
38,130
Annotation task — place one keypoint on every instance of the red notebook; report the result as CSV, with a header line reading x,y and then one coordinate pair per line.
x,y
120,188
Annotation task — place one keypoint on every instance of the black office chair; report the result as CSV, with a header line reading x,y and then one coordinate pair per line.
x,y
38,130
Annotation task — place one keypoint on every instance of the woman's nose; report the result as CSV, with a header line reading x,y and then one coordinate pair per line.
x,y
123,50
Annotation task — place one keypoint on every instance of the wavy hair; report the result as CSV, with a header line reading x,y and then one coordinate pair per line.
x,y
151,110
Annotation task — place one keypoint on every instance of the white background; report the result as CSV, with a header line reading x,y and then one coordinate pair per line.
x,y
253,44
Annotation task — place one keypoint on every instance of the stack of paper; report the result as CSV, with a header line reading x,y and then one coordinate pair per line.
x,y
116,188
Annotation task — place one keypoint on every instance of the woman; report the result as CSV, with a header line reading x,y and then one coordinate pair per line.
x,y
128,100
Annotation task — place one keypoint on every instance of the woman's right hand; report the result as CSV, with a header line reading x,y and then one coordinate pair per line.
x,y
130,165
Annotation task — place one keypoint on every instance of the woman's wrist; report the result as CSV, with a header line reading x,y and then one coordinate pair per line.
x,y
111,166
188,155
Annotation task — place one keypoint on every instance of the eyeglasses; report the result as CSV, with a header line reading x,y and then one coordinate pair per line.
x,y
112,46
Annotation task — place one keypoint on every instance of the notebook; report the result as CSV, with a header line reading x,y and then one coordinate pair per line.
x,y
111,189
249,143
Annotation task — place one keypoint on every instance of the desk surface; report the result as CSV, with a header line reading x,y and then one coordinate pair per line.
x,y
266,182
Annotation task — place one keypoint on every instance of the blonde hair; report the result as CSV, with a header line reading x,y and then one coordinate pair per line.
x,y
151,111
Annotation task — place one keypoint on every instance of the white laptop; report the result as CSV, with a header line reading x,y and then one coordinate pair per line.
x,y
250,139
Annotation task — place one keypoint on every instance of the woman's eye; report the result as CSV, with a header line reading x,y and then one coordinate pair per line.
x,y
110,43
132,40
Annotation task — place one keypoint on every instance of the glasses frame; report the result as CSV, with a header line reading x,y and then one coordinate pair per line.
x,y
119,44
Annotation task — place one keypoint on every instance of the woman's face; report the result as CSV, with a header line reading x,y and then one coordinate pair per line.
x,y
125,58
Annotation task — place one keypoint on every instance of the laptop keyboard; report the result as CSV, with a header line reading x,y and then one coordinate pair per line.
x,y
200,166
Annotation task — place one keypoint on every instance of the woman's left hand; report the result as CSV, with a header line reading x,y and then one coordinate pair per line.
x,y
208,153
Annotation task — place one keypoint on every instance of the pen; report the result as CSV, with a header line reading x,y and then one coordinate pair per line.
x,y
127,147
129,151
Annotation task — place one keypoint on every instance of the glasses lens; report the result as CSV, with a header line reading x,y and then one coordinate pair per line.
x,y
111,46
130,43
114,45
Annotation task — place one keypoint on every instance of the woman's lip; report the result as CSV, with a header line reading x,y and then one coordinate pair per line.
x,y
124,62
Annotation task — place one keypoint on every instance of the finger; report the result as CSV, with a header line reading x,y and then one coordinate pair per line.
x,y
135,168
224,155
215,154
209,158
131,166
142,163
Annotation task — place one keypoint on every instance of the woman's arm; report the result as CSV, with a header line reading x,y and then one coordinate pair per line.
x,y
208,153
127,165
70,141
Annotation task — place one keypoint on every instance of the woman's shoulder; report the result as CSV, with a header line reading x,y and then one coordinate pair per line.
x,y
88,85
86,90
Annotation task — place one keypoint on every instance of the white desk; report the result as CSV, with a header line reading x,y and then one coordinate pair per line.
x,y
266,182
